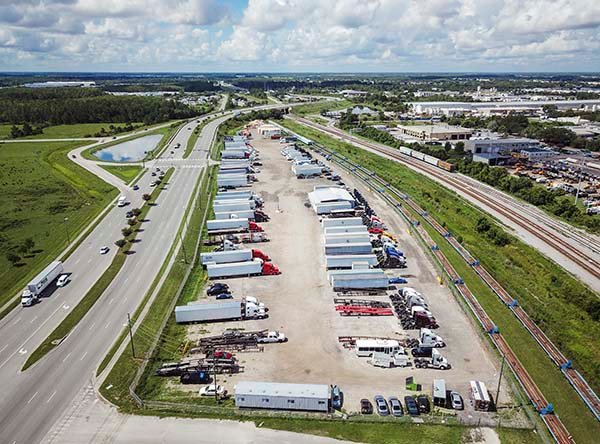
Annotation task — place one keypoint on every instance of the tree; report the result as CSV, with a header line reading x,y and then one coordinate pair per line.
x,y
136,211
120,243
15,132
459,147
146,197
126,231
132,221
13,258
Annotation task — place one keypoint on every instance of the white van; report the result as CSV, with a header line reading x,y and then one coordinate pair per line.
x,y
122,201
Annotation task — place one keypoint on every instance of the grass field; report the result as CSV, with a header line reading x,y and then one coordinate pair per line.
x,y
44,197
125,173
550,298
65,131
318,107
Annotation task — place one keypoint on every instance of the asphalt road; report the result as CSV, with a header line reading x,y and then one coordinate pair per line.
x,y
32,401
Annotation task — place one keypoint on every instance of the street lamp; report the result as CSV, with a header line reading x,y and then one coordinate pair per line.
x,y
144,159
67,229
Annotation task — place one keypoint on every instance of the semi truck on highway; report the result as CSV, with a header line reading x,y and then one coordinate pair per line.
x,y
219,311
255,267
224,257
38,284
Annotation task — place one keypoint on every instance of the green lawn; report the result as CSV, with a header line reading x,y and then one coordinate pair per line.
x,y
65,131
41,188
125,173
318,107
549,294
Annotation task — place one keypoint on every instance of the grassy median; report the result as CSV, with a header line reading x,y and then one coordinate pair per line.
x,y
124,172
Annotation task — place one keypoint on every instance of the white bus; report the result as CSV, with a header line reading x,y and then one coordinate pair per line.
x,y
366,347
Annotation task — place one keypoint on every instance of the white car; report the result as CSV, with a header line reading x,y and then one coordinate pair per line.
x,y
104,250
211,390
62,280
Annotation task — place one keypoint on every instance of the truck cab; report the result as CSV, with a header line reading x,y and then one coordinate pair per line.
x,y
28,298
254,311
260,255
429,339
268,269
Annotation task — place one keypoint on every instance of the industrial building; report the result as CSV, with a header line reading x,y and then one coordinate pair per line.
x,y
324,200
269,131
435,132
283,396
494,151
534,155
486,108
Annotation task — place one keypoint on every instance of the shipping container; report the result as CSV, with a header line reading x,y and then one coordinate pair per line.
x,y
430,160
346,261
418,155
406,150
342,222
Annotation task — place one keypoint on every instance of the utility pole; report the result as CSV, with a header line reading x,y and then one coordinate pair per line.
x,y
183,249
499,380
130,335
579,183
67,230
215,376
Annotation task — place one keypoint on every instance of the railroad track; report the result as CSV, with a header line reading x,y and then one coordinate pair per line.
x,y
586,262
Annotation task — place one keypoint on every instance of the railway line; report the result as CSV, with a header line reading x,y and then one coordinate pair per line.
x,y
586,262
396,199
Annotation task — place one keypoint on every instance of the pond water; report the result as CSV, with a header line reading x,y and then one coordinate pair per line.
x,y
130,151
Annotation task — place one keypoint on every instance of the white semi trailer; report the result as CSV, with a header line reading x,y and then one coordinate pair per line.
x,y
38,284
219,311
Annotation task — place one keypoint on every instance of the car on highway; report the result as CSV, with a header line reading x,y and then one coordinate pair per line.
x,y
381,404
411,406
396,406
457,402
212,390
129,214
62,280
366,408
104,250
136,187
153,173
224,296
153,184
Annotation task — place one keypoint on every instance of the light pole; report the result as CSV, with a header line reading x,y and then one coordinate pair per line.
x,y
67,229
144,159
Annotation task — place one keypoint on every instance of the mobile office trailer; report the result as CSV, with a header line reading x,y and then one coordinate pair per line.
x,y
224,257
346,261
337,230
39,283
240,214
283,396
227,224
342,222
347,238
345,249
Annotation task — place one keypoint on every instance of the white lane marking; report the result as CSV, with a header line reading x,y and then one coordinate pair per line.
x,y
3,348
51,396
110,302
67,357
32,321
92,326
83,356
77,261
31,399
89,260
107,324
126,279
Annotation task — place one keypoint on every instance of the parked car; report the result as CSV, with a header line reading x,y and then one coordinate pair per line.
x,y
217,288
104,250
457,402
411,406
62,280
366,408
194,378
212,390
382,407
221,354
422,352
153,173
423,404
396,406
224,296
336,397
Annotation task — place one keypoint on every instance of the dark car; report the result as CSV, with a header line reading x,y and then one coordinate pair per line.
x,y
136,187
396,406
382,407
336,397
423,404
129,214
194,378
224,296
411,406
153,173
217,288
422,352
366,408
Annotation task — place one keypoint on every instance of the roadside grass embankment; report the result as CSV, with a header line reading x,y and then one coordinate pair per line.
x,y
76,130
91,297
547,292
126,173
322,106
46,198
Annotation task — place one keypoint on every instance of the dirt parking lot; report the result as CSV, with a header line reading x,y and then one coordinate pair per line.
x,y
300,303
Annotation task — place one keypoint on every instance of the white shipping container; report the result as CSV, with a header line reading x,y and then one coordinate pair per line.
x,y
341,222
247,268
225,257
345,261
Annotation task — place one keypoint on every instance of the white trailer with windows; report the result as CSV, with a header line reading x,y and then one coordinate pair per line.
x,y
283,396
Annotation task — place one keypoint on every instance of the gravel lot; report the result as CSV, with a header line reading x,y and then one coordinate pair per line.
x,y
300,303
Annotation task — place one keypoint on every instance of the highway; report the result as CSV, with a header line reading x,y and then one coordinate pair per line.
x,y
572,248
32,401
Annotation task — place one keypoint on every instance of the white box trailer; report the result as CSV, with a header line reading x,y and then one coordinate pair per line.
x,y
233,205
347,238
356,248
234,144
330,207
307,170
371,272
39,283
227,224
359,282
353,229
240,214
234,194
232,181
224,257
231,154
346,261
247,268
236,171
342,222
218,311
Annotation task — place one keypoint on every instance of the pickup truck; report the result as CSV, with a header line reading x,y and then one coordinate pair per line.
x,y
271,337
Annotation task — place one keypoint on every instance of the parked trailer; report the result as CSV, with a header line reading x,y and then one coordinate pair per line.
x,y
232,181
254,267
371,272
227,224
341,222
233,205
358,282
241,214
218,311
237,154
38,284
307,170
353,229
347,238
345,249
330,207
225,257
346,261
233,171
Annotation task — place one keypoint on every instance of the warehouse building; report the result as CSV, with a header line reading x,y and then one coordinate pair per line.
x,y
435,132
535,155
500,107
269,131
283,396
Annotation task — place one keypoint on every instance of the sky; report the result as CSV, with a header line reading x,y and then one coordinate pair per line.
x,y
300,35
